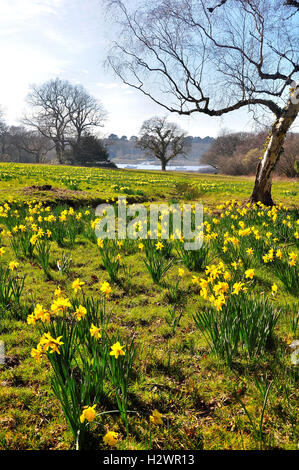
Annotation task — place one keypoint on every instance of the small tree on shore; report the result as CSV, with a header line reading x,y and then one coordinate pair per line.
x,y
162,140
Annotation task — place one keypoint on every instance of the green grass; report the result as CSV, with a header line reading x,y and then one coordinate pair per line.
x,y
97,185
174,371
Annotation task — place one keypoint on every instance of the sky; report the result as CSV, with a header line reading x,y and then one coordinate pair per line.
x,y
44,39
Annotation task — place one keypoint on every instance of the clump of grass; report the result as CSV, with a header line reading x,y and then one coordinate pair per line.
x,y
111,258
85,358
263,387
65,263
195,260
289,275
156,264
11,287
42,254
244,324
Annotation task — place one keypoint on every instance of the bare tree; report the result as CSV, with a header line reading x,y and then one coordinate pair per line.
x,y
291,3
50,114
85,112
61,112
163,140
191,60
33,143
223,146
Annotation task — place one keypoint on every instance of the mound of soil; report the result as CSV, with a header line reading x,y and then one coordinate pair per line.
x,y
75,198
55,191
45,187
57,194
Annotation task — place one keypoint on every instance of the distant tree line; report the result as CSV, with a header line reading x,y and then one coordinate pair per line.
x,y
134,138
63,117
18,144
59,128
127,148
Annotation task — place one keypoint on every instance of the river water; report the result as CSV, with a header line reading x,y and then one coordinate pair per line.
x,y
146,166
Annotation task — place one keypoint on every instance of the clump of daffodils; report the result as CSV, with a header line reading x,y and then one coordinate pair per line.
x,y
47,344
39,313
217,288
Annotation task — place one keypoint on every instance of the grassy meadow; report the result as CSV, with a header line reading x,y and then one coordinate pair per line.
x,y
140,344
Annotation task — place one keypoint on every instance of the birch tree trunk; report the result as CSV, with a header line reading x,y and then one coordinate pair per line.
x,y
263,181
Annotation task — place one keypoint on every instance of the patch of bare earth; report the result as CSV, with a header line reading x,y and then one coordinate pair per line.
x,y
60,192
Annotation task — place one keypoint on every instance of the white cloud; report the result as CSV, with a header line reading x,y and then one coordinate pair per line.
x,y
25,57
22,67
19,11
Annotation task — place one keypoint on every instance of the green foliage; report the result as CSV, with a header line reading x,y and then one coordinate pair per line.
x,y
110,258
42,254
195,260
89,149
156,264
173,370
263,388
64,264
245,324
83,366
11,287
